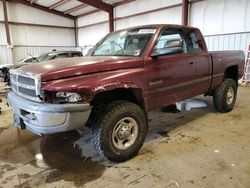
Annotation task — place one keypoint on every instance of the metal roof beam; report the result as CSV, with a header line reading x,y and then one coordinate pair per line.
x,y
75,9
123,2
115,5
59,3
34,5
99,4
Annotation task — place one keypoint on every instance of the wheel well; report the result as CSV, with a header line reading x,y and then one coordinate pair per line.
x,y
232,72
131,94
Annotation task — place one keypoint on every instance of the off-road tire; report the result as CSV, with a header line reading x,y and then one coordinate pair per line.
x,y
105,123
220,96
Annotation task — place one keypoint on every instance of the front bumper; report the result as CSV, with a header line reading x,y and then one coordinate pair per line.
x,y
42,118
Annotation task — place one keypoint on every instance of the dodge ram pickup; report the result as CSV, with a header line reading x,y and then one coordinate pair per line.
x,y
129,73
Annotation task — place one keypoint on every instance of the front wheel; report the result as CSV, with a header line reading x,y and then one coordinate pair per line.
x,y
225,96
119,131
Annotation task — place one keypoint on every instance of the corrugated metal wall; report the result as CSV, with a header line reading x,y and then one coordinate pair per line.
x,y
225,23
5,55
216,19
221,16
34,39
235,41
91,35
170,16
3,47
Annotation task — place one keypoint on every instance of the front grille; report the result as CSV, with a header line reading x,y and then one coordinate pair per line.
x,y
27,81
25,85
29,92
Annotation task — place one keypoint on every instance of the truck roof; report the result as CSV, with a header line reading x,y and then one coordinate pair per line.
x,y
158,26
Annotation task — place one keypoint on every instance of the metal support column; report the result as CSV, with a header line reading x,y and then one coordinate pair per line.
x,y
185,12
76,32
6,22
111,20
9,55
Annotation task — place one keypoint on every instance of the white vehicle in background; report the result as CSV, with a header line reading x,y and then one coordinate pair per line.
x,y
48,56
28,59
4,69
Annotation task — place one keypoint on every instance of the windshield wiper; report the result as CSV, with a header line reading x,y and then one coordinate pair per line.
x,y
114,42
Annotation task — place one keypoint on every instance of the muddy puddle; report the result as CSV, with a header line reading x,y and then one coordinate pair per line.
x,y
48,159
59,152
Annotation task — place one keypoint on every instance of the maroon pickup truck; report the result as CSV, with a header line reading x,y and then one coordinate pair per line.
x,y
128,73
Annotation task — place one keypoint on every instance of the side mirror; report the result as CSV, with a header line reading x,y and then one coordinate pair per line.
x,y
173,46
167,51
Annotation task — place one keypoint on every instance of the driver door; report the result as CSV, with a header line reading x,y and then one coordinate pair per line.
x,y
171,76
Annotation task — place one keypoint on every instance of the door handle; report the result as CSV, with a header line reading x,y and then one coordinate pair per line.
x,y
191,62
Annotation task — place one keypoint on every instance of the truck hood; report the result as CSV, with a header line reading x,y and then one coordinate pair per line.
x,y
69,67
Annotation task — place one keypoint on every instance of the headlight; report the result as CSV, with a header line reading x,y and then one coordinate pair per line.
x,y
69,97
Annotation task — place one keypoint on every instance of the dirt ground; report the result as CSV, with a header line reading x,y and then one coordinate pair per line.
x,y
197,148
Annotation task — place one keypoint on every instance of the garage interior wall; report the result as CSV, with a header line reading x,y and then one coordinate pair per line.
x,y
5,53
224,23
30,39
95,26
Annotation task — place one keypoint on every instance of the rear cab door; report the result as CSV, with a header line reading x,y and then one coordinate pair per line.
x,y
200,57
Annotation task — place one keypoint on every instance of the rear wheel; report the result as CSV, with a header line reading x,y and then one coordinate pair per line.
x,y
225,96
119,131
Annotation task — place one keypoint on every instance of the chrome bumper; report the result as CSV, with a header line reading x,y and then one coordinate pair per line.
x,y
42,118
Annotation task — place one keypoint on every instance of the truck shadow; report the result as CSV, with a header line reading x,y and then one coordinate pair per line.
x,y
73,156
70,157
160,125
61,153
163,121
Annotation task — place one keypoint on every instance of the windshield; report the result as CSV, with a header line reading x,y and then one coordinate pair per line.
x,y
125,43
45,57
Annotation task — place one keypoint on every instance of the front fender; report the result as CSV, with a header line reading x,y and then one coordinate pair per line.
x,y
115,85
93,84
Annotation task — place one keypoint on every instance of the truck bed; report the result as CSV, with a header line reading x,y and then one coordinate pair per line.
x,y
221,60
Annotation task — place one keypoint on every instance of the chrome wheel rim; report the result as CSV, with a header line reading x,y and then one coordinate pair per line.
x,y
125,133
230,96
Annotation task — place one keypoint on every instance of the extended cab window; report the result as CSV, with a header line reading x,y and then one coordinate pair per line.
x,y
171,41
76,54
61,56
193,43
